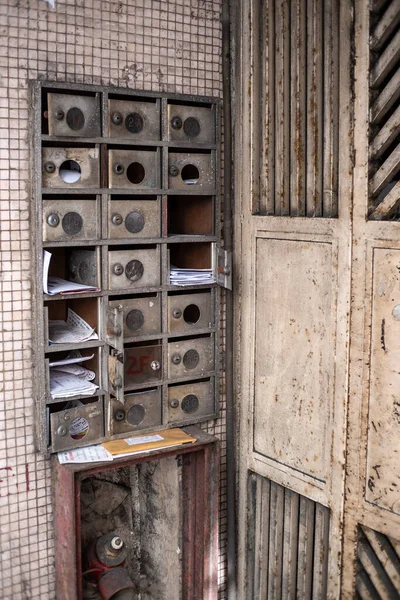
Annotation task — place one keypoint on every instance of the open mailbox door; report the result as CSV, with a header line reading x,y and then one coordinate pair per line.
x,y
115,340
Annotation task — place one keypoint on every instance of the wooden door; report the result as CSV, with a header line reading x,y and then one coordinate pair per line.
x,y
293,261
318,298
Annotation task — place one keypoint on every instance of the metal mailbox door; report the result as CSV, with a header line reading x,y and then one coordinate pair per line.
x,y
134,120
66,220
76,427
77,116
190,401
139,411
140,316
191,124
142,364
70,168
136,218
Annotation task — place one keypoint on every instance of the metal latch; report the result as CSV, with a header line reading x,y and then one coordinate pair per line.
x,y
223,267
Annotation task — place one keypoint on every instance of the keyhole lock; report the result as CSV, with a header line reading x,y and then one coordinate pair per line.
x,y
177,313
118,269
61,430
174,403
116,118
116,219
119,414
49,167
176,359
173,171
53,220
118,168
176,123
155,365
59,114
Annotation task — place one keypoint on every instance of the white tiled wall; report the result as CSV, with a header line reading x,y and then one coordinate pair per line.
x,y
161,45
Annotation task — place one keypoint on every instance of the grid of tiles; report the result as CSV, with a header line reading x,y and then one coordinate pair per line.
x,y
171,46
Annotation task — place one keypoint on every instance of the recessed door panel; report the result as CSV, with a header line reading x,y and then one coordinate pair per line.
x,y
293,353
383,456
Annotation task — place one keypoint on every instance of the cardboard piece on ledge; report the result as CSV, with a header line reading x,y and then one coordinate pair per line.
x,y
151,441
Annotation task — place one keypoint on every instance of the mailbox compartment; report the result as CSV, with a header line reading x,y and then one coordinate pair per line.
x,y
141,315
134,217
191,215
191,401
192,124
70,167
134,268
142,364
190,357
135,120
134,169
75,427
86,308
68,219
77,116
191,171
140,410
188,312
76,265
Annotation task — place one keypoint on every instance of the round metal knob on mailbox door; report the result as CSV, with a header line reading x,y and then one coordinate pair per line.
x,y
49,167
174,403
134,122
75,119
176,123
136,414
62,430
117,383
118,269
135,221
134,319
53,220
155,365
176,359
190,404
72,223
116,219
119,414
191,127
177,313
191,359
116,118
173,171
118,168
134,270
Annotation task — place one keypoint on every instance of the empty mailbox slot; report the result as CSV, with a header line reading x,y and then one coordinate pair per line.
x,y
134,119
195,255
191,401
64,167
71,114
190,357
76,266
133,216
135,168
70,218
141,314
142,363
189,311
190,215
191,122
75,423
134,267
140,410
